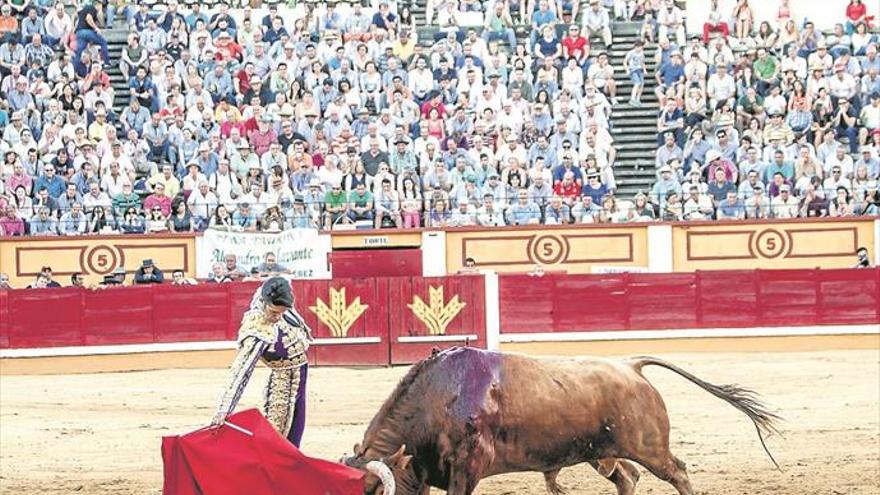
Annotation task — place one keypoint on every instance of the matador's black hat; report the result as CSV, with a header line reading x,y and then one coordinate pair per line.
x,y
277,291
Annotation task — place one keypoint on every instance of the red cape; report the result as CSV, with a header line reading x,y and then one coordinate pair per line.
x,y
256,461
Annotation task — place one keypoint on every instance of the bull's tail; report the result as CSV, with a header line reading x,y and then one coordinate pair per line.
x,y
745,400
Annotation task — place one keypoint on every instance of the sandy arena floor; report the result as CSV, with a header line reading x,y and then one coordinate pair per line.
x,y
100,434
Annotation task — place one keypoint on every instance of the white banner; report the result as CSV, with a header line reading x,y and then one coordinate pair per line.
x,y
302,251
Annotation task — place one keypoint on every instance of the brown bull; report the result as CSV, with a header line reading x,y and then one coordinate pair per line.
x,y
465,414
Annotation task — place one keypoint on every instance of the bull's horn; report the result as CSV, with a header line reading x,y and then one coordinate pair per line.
x,y
384,473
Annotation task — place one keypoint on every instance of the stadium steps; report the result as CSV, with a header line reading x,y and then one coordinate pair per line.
x,y
634,129
117,37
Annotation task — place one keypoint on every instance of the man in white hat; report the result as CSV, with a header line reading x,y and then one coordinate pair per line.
x,y
784,205
715,160
666,184
869,161
871,198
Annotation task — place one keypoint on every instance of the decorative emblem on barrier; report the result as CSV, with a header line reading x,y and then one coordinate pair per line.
x,y
339,315
436,315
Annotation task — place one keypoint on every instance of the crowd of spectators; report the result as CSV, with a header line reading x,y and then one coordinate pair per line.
x,y
769,120
330,115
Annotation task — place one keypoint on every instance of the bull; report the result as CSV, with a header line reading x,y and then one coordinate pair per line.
x,y
466,414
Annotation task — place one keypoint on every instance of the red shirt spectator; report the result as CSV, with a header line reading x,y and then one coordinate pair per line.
x,y
567,191
158,200
435,102
226,49
575,45
856,10
243,77
11,223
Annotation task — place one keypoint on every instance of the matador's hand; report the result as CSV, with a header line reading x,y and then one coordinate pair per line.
x,y
218,420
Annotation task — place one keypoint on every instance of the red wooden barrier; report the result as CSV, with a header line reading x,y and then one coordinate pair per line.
x,y
723,299
4,318
371,325
411,339
376,263
384,332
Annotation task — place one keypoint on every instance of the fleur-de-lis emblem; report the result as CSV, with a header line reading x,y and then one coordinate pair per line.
x,y
436,315
339,315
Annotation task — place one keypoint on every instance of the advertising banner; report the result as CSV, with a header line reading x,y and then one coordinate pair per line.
x,y
302,251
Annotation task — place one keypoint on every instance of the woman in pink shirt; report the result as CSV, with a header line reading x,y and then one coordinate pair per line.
x,y
11,223
19,178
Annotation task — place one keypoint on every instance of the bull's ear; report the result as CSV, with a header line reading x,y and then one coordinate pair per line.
x,y
399,461
357,449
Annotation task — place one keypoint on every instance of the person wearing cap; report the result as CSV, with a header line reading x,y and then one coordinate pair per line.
x,y
148,273
312,196
869,160
667,183
817,56
274,332
870,197
596,22
785,204
842,86
401,156
20,97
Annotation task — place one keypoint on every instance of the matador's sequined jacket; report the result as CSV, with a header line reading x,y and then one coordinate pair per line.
x,y
282,346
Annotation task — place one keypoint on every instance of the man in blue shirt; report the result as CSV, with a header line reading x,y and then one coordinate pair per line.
x,y
73,222
540,18
244,219
523,212
732,208
43,224
54,184
670,74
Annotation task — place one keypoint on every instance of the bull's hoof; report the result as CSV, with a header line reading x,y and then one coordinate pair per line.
x,y
553,487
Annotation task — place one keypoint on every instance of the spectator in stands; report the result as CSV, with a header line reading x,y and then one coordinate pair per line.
x,y
88,32
231,268
360,202
39,282
596,22
218,274
270,266
73,222
43,224
180,278
148,273
697,206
